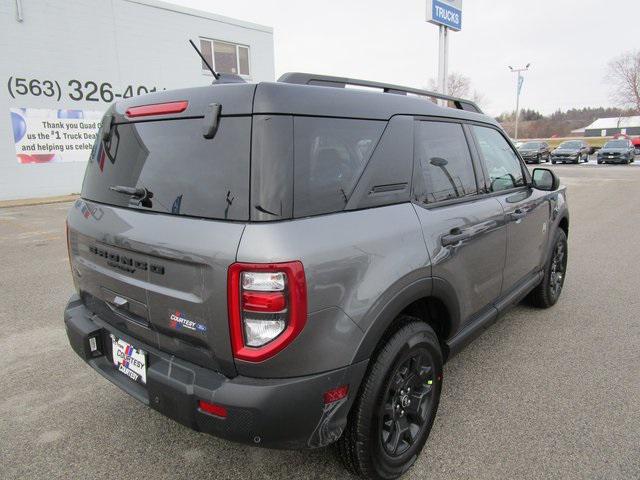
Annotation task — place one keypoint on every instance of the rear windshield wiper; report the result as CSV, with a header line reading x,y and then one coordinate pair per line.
x,y
143,195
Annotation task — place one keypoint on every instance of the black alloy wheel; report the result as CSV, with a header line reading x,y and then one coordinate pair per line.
x,y
558,268
407,403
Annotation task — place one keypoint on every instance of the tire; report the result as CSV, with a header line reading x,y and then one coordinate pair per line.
x,y
553,162
599,162
366,446
586,158
548,291
538,160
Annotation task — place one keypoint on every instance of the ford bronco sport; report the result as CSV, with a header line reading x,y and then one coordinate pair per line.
x,y
290,264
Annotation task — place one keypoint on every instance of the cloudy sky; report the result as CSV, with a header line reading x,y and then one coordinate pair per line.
x,y
567,42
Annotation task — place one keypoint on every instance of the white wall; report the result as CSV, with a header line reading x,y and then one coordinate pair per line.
x,y
123,42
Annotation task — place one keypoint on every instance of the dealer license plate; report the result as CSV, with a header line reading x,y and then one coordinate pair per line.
x,y
129,360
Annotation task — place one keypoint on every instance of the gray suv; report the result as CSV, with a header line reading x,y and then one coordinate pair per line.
x,y
290,264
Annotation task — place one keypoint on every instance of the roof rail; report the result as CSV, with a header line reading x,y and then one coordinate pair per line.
x,y
342,82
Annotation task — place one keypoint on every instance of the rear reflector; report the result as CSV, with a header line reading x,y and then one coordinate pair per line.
x,y
157,109
212,408
336,394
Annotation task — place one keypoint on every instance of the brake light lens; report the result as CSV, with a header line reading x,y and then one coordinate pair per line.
x,y
267,307
157,109
69,254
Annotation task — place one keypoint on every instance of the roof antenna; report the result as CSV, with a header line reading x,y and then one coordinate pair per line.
x,y
215,75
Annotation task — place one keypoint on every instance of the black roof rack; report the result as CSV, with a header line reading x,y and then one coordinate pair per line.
x,y
341,82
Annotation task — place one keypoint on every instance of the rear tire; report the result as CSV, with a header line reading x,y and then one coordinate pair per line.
x,y
396,405
548,291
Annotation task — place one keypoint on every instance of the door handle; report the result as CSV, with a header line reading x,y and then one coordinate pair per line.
x,y
454,237
518,214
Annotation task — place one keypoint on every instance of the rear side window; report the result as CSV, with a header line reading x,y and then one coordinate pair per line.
x,y
329,156
501,162
444,170
184,173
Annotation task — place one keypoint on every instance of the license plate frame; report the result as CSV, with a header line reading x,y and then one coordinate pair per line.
x,y
129,360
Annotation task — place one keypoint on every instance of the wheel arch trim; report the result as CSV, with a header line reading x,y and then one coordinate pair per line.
x,y
384,313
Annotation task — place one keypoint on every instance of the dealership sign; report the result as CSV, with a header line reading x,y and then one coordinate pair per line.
x,y
445,12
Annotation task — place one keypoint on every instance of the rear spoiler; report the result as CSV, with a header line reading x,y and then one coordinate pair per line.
x,y
342,82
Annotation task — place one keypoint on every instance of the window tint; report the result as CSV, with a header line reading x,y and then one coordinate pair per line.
x,y
502,164
329,156
184,173
444,169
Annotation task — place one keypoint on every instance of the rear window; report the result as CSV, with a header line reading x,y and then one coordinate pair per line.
x,y
185,173
329,156
444,170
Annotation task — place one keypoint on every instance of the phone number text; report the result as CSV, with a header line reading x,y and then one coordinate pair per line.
x,y
76,90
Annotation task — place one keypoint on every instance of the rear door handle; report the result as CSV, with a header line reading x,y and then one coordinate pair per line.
x,y
518,214
456,236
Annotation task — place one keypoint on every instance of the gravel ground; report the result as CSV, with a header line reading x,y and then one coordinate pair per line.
x,y
541,394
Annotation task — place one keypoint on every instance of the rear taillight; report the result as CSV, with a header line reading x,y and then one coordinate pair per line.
x,y
267,307
66,228
157,109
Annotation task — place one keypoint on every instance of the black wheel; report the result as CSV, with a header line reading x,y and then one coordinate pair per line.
x,y
538,158
585,158
553,162
396,406
599,162
549,289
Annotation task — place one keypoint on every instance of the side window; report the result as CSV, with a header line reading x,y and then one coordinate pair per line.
x,y
444,169
329,156
503,166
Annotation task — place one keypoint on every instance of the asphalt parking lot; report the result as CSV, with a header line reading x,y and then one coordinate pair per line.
x,y
541,394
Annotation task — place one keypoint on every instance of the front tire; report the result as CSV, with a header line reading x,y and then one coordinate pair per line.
x,y
548,291
396,405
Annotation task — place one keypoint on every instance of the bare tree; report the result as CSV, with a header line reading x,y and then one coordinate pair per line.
x,y
624,77
459,85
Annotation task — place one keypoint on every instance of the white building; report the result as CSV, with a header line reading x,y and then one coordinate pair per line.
x,y
64,62
607,127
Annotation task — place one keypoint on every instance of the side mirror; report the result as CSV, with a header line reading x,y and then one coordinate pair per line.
x,y
545,179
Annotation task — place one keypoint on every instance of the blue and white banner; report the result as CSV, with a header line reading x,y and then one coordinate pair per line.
x,y
445,12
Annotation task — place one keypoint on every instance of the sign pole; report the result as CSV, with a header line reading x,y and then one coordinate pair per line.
x,y
441,85
445,69
518,90
447,14
518,101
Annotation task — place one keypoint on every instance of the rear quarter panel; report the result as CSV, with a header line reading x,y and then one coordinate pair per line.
x,y
350,260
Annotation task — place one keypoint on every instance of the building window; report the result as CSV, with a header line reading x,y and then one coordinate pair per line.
x,y
225,57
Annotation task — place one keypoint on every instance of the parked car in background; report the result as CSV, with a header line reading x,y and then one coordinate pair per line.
x,y
617,151
571,151
534,152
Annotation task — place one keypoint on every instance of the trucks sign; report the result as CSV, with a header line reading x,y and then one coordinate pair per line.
x,y
445,12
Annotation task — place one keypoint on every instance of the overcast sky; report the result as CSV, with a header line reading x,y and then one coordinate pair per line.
x,y
567,42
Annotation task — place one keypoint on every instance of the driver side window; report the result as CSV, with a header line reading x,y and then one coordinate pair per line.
x,y
501,161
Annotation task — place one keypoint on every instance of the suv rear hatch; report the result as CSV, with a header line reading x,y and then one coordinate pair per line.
x,y
160,219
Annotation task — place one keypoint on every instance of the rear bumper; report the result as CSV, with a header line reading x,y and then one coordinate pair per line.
x,y
614,159
276,413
